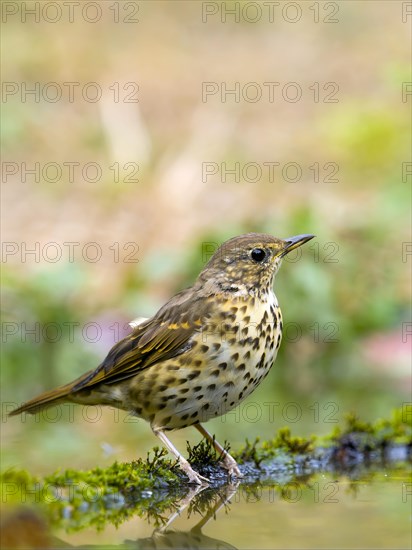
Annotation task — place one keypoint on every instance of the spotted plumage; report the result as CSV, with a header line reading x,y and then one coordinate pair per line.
x,y
201,354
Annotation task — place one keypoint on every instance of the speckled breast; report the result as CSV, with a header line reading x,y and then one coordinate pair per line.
x,y
228,359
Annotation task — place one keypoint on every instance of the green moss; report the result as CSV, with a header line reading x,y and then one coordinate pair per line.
x,y
15,485
99,496
399,428
293,445
282,447
204,454
395,430
250,453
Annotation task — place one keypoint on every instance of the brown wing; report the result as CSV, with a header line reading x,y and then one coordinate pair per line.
x,y
161,337
165,335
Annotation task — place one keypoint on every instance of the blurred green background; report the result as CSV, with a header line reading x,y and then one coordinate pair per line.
x,y
155,212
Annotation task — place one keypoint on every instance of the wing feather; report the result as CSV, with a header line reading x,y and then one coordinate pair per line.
x,y
163,336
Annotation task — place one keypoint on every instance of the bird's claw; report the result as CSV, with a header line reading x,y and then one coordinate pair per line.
x,y
194,477
199,480
231,466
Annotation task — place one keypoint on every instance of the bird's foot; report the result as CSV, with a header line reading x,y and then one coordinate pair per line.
x,y
193,476
230,464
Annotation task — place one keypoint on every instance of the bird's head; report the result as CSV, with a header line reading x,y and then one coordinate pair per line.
x,y
248,263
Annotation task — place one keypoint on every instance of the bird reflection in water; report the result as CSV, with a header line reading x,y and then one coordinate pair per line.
x,y
200,500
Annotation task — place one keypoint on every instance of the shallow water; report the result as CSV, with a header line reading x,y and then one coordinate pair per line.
x,y
360,508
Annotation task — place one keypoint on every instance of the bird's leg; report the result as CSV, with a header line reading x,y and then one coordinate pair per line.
x,y
183,504
193,476
229,491
228,462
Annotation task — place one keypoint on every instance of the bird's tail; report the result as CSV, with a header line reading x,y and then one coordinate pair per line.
x,y
69,392
45,400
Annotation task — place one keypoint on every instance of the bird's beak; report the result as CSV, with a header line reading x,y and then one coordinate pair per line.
x,y
294,242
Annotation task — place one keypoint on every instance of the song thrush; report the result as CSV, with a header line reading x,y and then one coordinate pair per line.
x,y
201,354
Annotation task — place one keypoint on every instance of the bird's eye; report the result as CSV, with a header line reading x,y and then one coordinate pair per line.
x,y
258,255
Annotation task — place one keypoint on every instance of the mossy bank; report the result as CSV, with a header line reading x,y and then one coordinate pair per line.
x,y
77,499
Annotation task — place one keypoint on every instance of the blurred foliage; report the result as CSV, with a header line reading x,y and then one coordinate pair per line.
x,y
39,316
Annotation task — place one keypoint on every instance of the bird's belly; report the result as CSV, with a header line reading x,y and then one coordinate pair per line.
x,y
210,379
